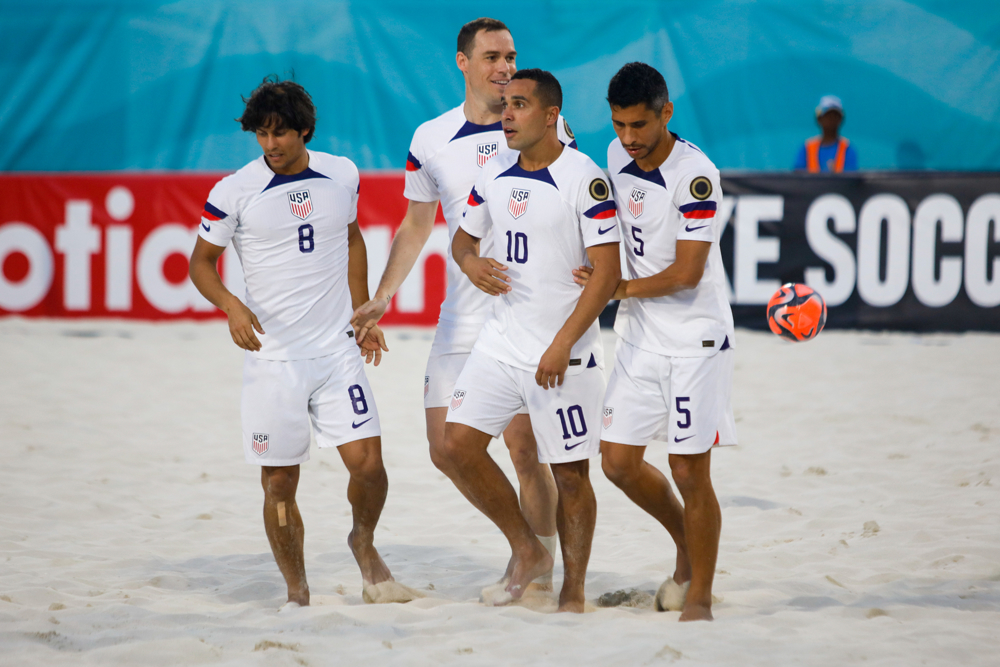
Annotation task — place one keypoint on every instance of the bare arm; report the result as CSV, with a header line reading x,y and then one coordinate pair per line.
x,y
605,275
371,340
205,276
485,273
684,273
413,232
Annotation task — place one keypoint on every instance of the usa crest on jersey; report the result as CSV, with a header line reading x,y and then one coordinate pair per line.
x,y
518,203
457,398
635,202
260,443
484,152
301,204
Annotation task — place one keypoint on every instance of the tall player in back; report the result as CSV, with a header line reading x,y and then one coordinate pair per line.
x,y
292,217
548,209
445,158
674,360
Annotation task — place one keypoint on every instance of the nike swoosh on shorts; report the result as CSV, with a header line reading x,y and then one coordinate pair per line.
x,y
569,447
353,425
676,439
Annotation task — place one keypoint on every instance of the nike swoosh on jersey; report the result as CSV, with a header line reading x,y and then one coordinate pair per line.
x,y
353,425
207,228
569,447
689,228
676,439
605,231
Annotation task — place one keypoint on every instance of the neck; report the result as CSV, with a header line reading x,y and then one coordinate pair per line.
x,y
542,153
830,138
658,155
479,113
301,164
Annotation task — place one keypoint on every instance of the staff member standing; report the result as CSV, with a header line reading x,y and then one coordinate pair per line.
x,y
828,152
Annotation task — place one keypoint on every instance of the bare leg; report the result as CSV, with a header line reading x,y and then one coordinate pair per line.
x,y
702,527
366,492
283,525
646,486
576,516
481,480
538,488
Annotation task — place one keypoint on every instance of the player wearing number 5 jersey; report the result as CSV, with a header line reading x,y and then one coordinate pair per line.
x,y
548,209
291,215
674,361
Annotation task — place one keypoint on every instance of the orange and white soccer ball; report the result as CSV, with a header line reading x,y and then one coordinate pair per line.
x,y
796,312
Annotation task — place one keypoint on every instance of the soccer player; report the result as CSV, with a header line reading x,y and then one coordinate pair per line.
x,y
292,217
674,360
445,158
548,209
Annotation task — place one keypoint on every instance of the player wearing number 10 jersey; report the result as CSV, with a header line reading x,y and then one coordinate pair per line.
x,y
548,209
291,215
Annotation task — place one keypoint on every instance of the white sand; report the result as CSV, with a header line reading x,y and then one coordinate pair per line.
x,y
860,519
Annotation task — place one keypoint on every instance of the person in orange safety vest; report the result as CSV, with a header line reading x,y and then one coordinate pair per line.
x,y
828,152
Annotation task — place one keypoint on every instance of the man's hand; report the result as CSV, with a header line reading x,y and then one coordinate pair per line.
x,y
582,275
367,316
372,344
487,274
553,365
242,323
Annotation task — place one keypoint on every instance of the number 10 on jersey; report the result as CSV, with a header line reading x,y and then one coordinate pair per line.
x,y
517,247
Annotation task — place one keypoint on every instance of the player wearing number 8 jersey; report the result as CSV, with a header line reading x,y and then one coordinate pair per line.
x,y
291,215
674,361
548,209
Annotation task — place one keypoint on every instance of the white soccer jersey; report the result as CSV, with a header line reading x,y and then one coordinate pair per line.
x,y
542,222
445,158
657,208
291,236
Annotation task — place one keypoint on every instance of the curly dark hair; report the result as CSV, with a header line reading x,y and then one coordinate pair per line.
x,y
547,87
285,104
638,83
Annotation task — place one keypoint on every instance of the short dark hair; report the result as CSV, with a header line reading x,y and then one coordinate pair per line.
x,y
638,83
285,104
467,35
547,87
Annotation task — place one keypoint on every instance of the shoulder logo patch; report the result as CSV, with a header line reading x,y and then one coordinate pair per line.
x,y
701,188
599,189
569,132
518,203
301,204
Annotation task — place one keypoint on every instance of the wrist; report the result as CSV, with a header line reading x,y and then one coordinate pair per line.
x,y
621,292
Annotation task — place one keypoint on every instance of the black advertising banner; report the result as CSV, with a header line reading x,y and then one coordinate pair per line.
x,y
916,251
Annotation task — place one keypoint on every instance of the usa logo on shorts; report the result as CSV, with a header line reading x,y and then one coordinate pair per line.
x,y
609,416
635,200
427,385
260,443
457,399
484,152
301,204
518,202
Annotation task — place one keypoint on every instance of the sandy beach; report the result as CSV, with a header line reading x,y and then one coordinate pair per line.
x,y
861,524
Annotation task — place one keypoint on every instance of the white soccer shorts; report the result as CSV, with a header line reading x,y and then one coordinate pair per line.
x,y
452,344
683,401
564,419
281,398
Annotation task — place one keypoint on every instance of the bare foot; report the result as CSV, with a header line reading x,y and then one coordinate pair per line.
x,y
373,568
298,596
696,612
573,605
542,583
528,568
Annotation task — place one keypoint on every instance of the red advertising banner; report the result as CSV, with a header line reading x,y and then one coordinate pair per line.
x,y
116,245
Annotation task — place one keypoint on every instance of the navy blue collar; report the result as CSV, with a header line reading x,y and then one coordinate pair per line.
x,y
652,176
471,128
281,179
542,175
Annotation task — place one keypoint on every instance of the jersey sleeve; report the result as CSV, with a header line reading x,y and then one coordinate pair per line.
x,y
598,210
565,134
420,185
220,216
354,183
697,198
476,217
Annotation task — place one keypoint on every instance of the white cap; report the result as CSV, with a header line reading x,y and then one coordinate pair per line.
x,y
829,103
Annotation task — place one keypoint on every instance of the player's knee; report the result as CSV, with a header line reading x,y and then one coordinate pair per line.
x,y
571,478
686,472
448,456
617,470
368,467
439,456
525,458
279,484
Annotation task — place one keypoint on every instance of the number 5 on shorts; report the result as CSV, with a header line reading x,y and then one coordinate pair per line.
x,y
684,411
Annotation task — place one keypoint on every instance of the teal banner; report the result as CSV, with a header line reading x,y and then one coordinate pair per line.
x,y
143,84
